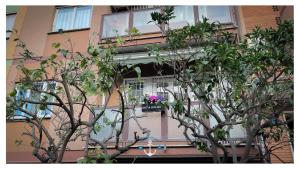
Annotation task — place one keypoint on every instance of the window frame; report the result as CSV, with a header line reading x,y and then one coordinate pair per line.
x,y
28,94
127,83
73,17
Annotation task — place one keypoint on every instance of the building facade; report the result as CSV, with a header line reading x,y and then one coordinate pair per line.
x,y
40,26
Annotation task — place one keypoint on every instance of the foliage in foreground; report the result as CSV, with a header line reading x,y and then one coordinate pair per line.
x,y
67,86
236,85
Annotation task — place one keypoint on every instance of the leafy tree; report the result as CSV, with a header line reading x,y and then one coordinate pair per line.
x,y
73,81
245,84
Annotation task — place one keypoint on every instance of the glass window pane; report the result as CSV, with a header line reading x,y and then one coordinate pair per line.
x,y
47,113
82,17
184,15
162,84
106,127
64,19
36,95
141,19
21,95
10,20
215,13
115,24
136,90
237,131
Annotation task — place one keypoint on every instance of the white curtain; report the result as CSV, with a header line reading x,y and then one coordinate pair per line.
x,y
10,20
82,18
73,18
64,19
184,15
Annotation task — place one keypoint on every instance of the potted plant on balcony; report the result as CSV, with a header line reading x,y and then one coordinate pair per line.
x,y
152,103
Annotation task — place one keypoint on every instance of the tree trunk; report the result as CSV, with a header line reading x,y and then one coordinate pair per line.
x,y
63,148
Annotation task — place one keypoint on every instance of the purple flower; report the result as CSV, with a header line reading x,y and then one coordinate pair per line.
x,y
160,98
153,99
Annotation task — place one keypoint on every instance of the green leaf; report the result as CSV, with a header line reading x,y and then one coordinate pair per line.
x,y
18,142
178,107
134,31
97,128
83,63
55,45
32,143
44,62
13,93
64,52
205,115
201,146
220,134
120,40
52,57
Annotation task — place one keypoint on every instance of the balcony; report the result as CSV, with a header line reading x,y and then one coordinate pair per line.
x,y
120,23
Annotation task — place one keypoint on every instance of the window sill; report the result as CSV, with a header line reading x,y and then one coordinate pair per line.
x,y
67,31
23,119
133,36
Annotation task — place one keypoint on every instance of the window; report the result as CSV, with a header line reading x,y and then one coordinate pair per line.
x,y
160,90
117,24
136,90
35,96
72,18
141,19
10,20
184,15
105,127
215,13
